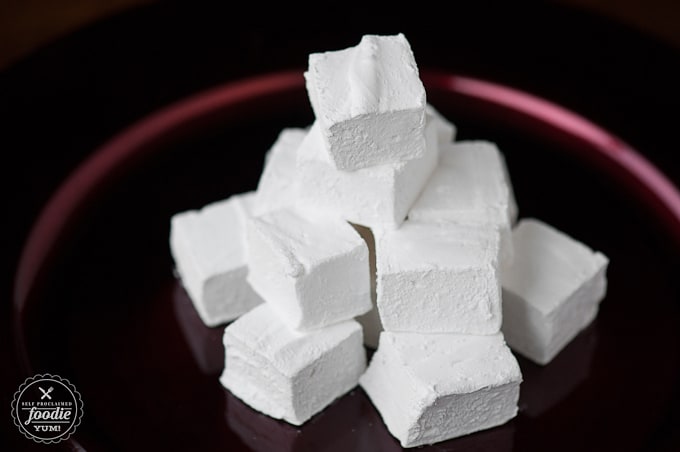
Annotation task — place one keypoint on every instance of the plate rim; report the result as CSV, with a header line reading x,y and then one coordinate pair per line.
x,y
606,149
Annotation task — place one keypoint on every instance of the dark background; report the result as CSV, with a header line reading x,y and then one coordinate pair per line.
x,y
72,77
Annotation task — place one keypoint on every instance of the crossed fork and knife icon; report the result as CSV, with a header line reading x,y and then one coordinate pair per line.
x,y
46,393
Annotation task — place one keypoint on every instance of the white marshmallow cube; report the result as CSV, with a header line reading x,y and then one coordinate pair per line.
x,y
433,387
314,272
276,189
287,374
378,196
470,186
208,247
439,278
369,102
551,291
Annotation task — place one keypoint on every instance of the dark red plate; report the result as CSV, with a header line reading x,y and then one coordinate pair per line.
x,y
96,302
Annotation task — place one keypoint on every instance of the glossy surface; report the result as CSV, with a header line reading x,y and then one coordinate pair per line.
x,y
101,280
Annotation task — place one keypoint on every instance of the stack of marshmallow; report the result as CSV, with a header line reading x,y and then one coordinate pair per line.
x,y
376,213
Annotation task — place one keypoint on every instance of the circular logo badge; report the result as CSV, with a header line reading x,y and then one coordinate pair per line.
x,y
47,408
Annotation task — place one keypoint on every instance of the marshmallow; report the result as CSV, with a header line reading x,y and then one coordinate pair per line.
x,y
434,278
551,291
378,196
433,387
276,189
208,247
470,186
313,272
369,102
287,374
